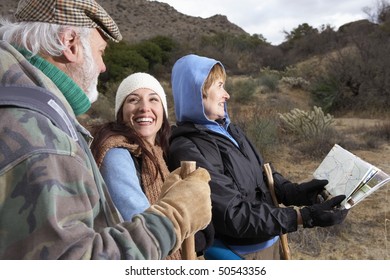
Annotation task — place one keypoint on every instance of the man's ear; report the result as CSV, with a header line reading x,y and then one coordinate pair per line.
x,y
71,40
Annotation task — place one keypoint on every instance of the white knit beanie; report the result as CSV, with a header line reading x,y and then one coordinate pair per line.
x,y
136,81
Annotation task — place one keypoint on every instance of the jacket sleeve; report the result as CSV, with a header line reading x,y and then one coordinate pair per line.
x,y
120,175
46,218
233,214
50,205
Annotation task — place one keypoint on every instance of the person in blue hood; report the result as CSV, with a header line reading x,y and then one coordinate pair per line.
x,y
247,223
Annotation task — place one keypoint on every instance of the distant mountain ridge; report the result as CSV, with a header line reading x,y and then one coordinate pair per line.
x,y
142,19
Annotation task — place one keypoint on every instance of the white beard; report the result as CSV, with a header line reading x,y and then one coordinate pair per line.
x,y
92,92
86,75
91,74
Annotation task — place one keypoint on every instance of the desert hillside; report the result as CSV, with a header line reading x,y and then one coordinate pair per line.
x,y
141,19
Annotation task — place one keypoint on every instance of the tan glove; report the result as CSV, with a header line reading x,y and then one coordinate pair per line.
x,y
186,202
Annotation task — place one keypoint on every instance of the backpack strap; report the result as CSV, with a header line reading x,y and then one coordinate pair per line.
x,y
40,100
44,102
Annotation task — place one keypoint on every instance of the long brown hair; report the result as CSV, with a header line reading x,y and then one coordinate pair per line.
x,y
119,127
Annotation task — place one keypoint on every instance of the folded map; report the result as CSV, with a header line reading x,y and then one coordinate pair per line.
x,y
350,175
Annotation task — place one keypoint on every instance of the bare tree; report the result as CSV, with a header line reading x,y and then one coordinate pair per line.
x,y
380,13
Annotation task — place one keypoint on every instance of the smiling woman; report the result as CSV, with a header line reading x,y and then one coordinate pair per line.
x,y
246,220
215,97
130,151
142,110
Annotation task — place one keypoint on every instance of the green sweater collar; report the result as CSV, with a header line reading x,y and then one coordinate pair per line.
x,y
77,99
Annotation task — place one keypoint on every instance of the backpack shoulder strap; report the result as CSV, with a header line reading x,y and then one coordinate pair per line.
x,y
40,100
44,102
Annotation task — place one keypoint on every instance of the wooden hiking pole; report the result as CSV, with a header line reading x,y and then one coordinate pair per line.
x,y
283,237
188,246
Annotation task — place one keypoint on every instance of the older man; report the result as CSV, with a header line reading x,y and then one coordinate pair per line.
x,y
53,201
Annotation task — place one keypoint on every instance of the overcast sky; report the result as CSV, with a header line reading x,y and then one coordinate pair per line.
x,y
270,18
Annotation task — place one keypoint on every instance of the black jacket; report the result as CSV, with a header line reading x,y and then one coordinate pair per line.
x,y
243,212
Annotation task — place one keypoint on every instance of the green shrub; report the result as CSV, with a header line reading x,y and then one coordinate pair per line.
x,y
263,133
261,126
269,79
326,93
121,60
150,51
242,91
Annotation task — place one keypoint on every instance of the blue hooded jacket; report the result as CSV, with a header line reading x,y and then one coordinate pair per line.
x,y
243,212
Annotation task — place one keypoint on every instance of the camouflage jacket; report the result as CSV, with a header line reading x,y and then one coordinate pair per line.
x,y
51,202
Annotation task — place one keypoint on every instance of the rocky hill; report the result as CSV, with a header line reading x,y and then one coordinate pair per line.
x,y
142,19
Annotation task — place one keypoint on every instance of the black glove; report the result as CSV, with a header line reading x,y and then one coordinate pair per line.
x,y
204,239
324,214
300,194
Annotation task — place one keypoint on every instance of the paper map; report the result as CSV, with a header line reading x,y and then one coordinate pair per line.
x,y
350,175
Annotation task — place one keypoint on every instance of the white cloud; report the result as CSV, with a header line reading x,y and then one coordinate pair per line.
x,y
271,18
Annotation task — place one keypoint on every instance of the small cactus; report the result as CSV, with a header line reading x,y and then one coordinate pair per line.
x,y
307,124
295,82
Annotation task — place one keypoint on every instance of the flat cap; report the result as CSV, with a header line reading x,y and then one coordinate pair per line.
x,y
83,13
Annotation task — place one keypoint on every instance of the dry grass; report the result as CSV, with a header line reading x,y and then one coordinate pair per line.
x,y
364,235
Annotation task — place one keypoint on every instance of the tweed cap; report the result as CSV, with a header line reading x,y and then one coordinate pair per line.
x,y
83,13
